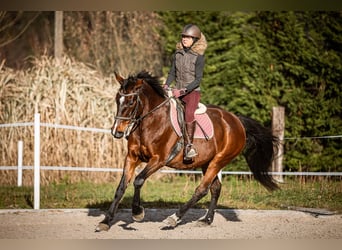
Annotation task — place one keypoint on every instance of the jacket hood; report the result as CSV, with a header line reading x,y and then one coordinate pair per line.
x,y
199,47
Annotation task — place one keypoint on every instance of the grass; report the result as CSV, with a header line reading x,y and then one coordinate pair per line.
x,y
171,191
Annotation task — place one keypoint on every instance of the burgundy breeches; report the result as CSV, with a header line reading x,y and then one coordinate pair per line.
x,y
191,101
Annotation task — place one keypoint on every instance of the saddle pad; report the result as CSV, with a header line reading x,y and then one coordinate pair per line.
x,y
202,119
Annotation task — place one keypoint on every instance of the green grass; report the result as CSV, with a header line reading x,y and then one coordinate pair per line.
x,y
171,191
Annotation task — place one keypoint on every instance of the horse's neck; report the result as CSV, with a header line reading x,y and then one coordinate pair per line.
x,y
152,105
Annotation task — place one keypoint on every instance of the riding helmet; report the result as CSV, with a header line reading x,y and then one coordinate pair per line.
x,y
191,30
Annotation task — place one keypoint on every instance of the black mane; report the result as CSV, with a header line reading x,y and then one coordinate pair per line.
x,y
153,81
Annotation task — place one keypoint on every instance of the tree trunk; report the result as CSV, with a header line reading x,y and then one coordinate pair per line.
x,y
58,34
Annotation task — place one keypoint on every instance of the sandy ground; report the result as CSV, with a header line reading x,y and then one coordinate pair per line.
x,y
228,224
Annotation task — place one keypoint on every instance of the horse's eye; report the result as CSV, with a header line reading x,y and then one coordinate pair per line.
x,y
131,102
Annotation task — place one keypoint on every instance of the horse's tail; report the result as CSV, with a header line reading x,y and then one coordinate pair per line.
x,y
259,151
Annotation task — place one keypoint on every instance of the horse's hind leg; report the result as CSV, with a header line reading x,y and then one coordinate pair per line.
x,y
215,191
173,220
200,192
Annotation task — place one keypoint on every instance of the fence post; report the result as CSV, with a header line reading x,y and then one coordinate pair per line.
x,y
36,187
278,129
20,163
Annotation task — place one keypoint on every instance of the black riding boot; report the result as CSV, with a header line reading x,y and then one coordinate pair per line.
x,y
189,150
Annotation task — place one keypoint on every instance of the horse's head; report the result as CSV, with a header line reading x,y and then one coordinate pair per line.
x,y
131,104
128,104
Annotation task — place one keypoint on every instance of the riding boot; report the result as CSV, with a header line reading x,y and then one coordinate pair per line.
x,y
189,150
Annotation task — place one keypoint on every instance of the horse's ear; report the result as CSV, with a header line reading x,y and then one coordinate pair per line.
x,y
119,78
139,83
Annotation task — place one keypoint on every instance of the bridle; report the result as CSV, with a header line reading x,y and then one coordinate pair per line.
x,y
132,117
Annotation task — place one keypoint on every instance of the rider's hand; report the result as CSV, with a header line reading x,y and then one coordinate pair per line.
x,y
178,92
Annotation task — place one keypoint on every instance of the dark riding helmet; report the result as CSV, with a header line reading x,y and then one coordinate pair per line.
x,y
191,30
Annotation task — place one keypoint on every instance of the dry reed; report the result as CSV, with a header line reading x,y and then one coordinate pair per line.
x,y
63,92
71,93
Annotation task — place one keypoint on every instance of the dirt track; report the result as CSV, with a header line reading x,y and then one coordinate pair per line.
x,y
228,224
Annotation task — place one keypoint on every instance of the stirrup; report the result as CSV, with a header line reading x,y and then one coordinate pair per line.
x,y
191,153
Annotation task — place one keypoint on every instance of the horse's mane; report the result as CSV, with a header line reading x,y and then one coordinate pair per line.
x,y
153,81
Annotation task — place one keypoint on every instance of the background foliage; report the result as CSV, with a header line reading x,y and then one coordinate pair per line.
x,y
258,60
254,61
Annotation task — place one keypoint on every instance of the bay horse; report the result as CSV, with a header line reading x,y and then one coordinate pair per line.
x,y
142,117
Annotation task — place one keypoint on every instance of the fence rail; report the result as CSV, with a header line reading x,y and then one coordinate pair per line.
x,y
37,168
166,171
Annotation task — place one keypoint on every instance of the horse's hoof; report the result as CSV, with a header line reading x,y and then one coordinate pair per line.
x,y
171,221
139,217
102,227
203,223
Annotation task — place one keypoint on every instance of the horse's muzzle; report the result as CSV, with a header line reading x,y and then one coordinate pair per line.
x,y
117,134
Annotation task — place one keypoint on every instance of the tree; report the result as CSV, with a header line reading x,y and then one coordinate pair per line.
x,y
127,42
306,47
256,60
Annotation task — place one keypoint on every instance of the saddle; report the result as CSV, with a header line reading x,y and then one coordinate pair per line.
x,y
204,126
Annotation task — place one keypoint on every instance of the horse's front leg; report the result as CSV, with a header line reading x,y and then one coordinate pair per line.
x,y
120,191
138,212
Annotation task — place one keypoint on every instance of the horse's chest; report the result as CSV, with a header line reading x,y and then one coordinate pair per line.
x,y
144,153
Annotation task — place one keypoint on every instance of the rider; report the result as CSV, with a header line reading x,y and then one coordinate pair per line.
x,y
187,70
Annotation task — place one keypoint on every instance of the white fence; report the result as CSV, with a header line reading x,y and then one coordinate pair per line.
x,y
37,168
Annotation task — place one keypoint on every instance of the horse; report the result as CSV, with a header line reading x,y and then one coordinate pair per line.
x,y
142,118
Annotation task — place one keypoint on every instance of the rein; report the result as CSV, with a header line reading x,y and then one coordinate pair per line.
x,y
154,109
